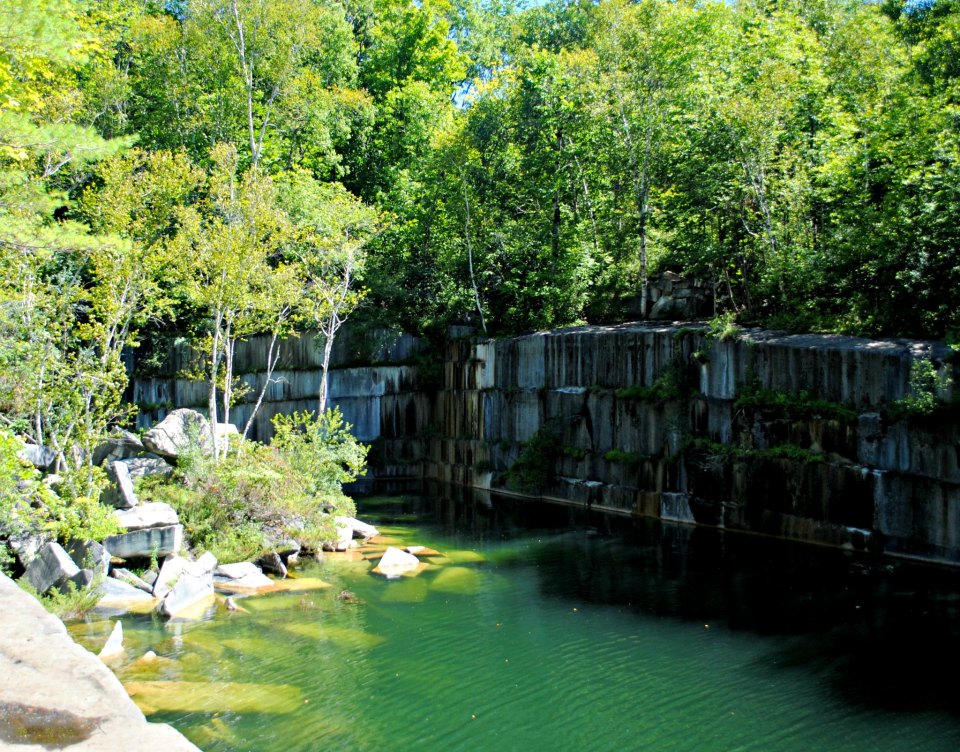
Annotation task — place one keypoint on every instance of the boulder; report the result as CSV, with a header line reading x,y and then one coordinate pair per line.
x,y
396,562
148,542
151,464
242,576
114,644
359,529
154,514
27,547
117,594
38,456
344,536
89,554
272,563
125,575
121,493
180,431
175,567
51,567
118,447
193,583
82,579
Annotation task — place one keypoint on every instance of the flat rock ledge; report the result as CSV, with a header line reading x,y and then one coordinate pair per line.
x,y
56,695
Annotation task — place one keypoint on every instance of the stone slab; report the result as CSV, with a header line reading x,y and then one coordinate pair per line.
x,y
159,541
49,680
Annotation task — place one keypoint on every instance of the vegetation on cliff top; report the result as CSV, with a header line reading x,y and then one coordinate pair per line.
x,y
228,167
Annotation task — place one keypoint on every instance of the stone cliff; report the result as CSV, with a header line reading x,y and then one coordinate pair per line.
x,y
819,438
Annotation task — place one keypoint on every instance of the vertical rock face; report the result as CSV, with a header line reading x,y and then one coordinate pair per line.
x,y
798,436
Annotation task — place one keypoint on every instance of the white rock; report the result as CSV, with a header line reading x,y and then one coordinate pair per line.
x,y
193,584
245,575
359,529
119,595
154,514
394,562
114,644
178,432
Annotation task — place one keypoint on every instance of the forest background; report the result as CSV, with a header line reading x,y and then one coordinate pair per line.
x,y
214,169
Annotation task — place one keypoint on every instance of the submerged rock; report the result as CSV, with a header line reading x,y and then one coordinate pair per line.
x,y
114,644
241,576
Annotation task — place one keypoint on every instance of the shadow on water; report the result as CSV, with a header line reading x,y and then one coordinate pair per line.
x,y
881,634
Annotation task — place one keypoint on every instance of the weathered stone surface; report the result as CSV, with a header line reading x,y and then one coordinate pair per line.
x,y
272,563
154,514
121,494
175,434
119,595
114,643
43,669
51,566
241,576
125,575
344,536
159,541
396,562
119,447
82,579
89,554
140,467
26,547
193,583
358,528
38,456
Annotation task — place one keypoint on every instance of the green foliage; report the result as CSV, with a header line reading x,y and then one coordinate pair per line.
x,y
292,487
775,404
673,383
723,327
630,460
71,603
732,453
535,468
321,450
923,401
30,506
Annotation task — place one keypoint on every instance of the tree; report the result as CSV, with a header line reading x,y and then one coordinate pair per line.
x,y
231,240
332,228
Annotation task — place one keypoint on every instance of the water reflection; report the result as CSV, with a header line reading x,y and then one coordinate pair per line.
x,y
879,632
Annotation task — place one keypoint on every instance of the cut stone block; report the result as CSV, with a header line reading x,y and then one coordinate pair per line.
x,y
242,576
141,467
154,514
89,554
51,566
121,494
159,541
193,583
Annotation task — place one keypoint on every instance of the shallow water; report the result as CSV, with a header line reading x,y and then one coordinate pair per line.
x,y
541,628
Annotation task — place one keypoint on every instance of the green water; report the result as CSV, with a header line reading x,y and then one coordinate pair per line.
x,y
544,629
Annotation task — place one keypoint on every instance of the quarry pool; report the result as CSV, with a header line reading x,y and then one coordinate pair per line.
x,y
541,628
